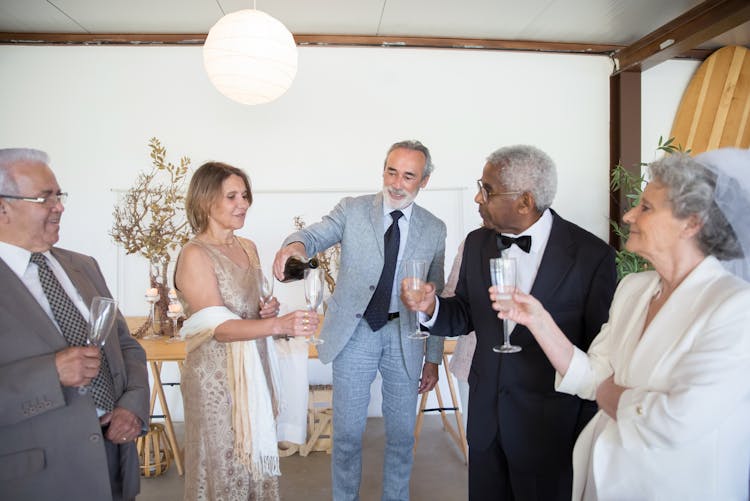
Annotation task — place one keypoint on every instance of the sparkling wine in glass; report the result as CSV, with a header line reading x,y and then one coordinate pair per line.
x,y
415,274
503,275
314,296
102,313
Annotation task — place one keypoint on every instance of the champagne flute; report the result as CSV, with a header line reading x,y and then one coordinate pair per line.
x,y
415,274
266,286
314,295
174,312
152,297
102,315
503,276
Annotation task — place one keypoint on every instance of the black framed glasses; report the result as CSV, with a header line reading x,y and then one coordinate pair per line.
x,y
486,194
49,200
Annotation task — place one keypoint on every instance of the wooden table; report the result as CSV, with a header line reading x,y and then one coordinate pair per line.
x,y
159,351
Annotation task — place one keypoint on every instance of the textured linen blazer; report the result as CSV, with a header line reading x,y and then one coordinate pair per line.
x,y
683,427
513,396
51,443
358,224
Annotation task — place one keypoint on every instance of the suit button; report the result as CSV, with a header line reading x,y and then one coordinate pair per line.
x,y
639,410
358,315
94,438
372,287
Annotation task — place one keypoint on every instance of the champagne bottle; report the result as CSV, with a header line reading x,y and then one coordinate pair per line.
x,y
294,268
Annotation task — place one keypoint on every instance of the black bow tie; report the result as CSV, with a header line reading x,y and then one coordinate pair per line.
x,y
523,243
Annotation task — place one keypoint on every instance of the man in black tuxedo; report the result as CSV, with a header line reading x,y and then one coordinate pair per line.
x,y
520,431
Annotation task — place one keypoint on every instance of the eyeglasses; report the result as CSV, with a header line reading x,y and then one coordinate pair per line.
x,y
486,194
49,200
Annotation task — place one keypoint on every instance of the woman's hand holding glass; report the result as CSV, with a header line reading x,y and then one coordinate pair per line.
x,y
269,305
522,309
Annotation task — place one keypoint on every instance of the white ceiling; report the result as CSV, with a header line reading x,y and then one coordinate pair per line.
x,y
612,22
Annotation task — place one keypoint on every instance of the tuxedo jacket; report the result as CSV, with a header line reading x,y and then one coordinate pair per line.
x,y
51,443
357,223
512,396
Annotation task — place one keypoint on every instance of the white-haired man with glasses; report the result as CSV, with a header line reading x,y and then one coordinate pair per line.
x,y
70,412
520,431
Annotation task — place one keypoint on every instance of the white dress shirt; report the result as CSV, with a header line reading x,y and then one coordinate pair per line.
x,y
18,260
403,228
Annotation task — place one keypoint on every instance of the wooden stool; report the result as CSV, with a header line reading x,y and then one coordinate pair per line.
x,y
319,420
459,437
154,451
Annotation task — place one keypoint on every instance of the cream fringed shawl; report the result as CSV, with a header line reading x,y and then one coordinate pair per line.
x,y
254,400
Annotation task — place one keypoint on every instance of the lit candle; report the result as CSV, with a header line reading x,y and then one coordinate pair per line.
x,y
175,308
152,292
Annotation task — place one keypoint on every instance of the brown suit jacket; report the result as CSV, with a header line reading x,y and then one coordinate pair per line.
x,y
51,443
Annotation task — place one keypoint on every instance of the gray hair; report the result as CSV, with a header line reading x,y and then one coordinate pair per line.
x,y
10,156
526,168
413,145
690,191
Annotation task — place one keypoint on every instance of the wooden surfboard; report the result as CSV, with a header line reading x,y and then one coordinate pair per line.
x,y
715,109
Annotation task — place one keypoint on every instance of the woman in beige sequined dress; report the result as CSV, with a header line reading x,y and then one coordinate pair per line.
x,y
230,373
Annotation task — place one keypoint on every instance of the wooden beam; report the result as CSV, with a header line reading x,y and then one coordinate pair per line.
x,y
624,136
698,25
304,40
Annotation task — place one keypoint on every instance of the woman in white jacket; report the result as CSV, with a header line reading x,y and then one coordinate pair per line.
x,y
671,369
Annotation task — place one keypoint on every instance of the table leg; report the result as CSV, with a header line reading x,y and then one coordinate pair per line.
x,y
156,371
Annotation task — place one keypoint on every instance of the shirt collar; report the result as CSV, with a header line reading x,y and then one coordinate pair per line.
x,y
17,258
406,211
539,231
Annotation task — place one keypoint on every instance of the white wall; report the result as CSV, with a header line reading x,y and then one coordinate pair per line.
x,y
94,109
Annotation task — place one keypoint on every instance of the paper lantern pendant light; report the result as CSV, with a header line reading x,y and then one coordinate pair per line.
x,y
250,57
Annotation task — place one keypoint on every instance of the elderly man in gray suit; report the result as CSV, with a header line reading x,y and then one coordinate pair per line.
x,y
70,413
366,326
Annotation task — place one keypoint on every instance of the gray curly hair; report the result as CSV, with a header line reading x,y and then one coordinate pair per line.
x,y
690,191
413,144
527,169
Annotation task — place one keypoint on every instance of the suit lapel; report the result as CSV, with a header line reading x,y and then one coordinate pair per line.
x,y
556,261
416,230
488,251
672,323
376,218
82,284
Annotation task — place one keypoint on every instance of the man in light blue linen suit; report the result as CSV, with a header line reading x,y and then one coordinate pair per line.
x,y
354,340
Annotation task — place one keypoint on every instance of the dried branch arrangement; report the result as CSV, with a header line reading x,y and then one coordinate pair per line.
x,y
150,219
